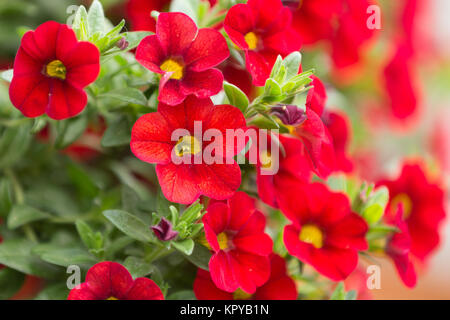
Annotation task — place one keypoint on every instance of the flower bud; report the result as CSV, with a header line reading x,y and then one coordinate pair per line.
x,y
289,114
164,231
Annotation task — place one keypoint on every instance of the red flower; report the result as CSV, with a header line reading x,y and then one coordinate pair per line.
x,y
399,247
324,233
279,286
235,233
139,12
342,23
293,165
423,207
262,28
185,57
400,83
184,183
50,71
111,281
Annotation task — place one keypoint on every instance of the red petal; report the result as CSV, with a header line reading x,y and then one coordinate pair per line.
x,y
238,22
150,54
251,237
29,94
26,65
258,67
217,217
151,139
222,273
350,232
175,31
170,92
241,207
81,292
282,288
106,279
205,289
83,64
144,289
66,42
41,43
178,183
202,84
251,270
317,96
65,101
208,50
218,181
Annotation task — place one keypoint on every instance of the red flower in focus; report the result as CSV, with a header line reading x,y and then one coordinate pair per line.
x,y
398,248
342,23
111,281
399,82
262,28
184,183
185,57
234,231
293,165
423,207
279,286
324,233
50,71
139,12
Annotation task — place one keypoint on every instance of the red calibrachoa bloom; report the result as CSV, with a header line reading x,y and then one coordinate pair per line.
x,y
293,166
423,207
234,231
184,183
398,249
50,71
185,57
111,281
324,233
279,286
262,28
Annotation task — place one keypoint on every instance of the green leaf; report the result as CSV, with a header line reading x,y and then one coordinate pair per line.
x,y
134,38
182,295
80,24
276,67
17,254
55,291
185,246
128,95
339,292
14,142
189,7
7,75
96,18
292,64
66,257
6,199
200,256
138,267
117,134
82,180
22,214
373,209
10,282
92,240
272,88
236,97
192,213
130,225
70,130
351,295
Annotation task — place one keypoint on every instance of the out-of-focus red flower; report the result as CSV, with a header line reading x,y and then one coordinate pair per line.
x,y
185,57
111,281
139,12
400,83
423,207
184,183
317,96
30,288
234,232
279,286
262,28
357,281
339,127
398,249
293,165
235,74
341,23
50,71
324,233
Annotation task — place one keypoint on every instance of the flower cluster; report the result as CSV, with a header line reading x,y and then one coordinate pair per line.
x,y
200,137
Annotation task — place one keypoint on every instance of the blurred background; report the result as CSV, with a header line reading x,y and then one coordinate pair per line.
x,y
385,129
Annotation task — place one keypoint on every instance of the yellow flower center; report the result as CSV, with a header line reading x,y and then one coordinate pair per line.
x,y
222,239
187,145
112,298
405,200
240,294
56,69
265,158
311,234
252,40
171,65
